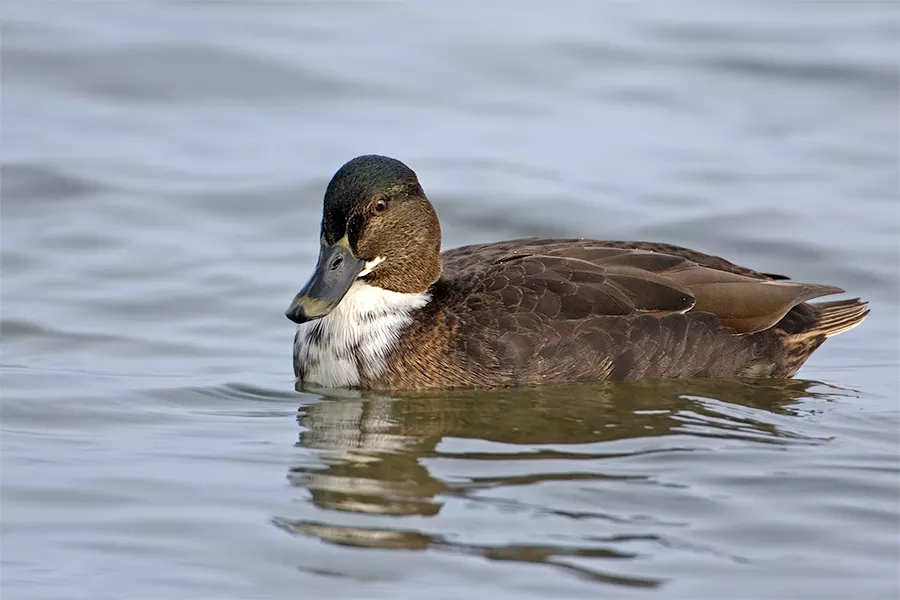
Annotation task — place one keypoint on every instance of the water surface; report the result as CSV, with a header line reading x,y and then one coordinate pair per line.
x,y
162,173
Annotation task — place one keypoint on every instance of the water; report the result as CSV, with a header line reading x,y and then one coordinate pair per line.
x,y
163,168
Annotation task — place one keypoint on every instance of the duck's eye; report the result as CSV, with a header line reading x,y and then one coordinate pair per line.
x,y
380,206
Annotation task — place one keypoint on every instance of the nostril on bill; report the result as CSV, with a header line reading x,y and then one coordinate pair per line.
x,y
337,262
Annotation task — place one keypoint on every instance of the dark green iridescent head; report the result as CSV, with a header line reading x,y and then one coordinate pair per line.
x,y
361,179
378,226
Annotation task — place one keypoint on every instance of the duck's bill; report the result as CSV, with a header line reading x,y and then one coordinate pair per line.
x,y
336,271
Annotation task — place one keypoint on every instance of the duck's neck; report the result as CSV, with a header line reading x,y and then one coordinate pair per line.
x,y
414,262
354,341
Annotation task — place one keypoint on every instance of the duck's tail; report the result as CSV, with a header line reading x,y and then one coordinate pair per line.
x,y
808,325
839,316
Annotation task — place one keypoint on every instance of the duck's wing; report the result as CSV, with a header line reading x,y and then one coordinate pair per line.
x,y
466,256
572,280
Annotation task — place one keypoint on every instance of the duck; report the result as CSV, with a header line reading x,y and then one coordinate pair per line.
x,y
385,309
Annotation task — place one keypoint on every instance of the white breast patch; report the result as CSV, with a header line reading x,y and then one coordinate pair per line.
x,y
355,339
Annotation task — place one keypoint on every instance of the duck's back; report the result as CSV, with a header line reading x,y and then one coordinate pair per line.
x,y
538,311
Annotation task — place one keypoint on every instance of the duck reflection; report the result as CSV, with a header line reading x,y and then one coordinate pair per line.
x,y
371,457
377,454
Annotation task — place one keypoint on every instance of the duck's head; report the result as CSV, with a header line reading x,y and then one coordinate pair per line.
x,y
377,226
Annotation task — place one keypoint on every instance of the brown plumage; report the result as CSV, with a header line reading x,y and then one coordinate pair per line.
x,y
536,311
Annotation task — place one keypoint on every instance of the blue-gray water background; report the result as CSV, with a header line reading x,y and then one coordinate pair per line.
x,y
163,168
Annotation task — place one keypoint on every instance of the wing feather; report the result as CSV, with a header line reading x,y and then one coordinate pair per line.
x,y
570,280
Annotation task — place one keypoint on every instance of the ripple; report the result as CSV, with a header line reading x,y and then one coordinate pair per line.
x,y
412,540
203,73
25,183
242,391
881,80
